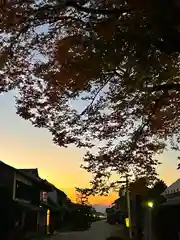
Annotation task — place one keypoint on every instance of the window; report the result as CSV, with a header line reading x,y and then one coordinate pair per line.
x,y
23,191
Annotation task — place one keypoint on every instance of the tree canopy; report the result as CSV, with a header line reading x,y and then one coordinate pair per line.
x,y
152,192
156,191
82,196
119,59
139,187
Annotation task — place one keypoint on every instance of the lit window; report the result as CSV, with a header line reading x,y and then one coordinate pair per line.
x,y
48,220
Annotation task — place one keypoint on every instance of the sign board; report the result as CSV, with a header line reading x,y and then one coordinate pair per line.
x,y
44,196
127,222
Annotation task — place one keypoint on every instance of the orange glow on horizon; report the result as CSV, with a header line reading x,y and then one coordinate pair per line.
x,y
102,200
24,146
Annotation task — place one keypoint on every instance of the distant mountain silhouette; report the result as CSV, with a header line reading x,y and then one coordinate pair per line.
x,y
100,208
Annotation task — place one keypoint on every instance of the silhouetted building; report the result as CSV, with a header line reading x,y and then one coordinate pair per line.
x,y
54,202
166,222
20,199
29,202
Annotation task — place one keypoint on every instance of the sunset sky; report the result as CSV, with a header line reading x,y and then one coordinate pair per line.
x,y
24,146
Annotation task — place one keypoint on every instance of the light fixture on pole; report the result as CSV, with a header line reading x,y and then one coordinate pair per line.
x,y
126,190
150,204
148,232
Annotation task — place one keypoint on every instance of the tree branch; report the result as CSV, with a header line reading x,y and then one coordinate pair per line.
x,y
94,98
120,69
74,4
112,11
139,131
170,86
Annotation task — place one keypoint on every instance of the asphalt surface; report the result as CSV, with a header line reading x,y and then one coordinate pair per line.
x,y
99,231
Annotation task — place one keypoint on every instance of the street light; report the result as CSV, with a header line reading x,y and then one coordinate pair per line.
x,y
150,204
148,231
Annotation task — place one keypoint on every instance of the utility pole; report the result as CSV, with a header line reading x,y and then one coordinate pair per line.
x,y
128,204
148,219
128,207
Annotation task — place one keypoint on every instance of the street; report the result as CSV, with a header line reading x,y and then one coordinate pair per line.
x,y
99,231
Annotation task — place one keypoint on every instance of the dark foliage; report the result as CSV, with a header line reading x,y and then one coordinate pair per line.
x,y
118,58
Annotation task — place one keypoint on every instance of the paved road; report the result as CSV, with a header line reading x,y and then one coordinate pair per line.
x,y
99,231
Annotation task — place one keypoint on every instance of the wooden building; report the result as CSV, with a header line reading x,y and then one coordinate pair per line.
x,y
20,200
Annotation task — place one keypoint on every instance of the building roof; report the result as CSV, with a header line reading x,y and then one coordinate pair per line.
x,y
21,172
29,174
33,171
172,201
173,188
32,177
33,174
